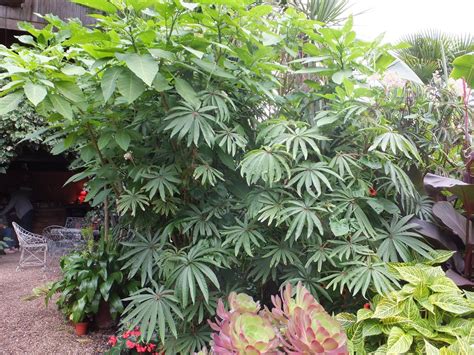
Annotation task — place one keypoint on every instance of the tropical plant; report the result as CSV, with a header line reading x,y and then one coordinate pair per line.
x,y
129,342
89,278
463,69
326,11
431,51
15,127
296,324
429,312
246,147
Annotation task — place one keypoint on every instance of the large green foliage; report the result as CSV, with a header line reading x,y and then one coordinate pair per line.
x,y
428,313
15,126
247,147
431,51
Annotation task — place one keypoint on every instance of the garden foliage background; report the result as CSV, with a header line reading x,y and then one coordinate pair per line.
x,y
243,145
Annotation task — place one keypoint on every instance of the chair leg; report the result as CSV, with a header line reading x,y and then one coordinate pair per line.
x,y
22,256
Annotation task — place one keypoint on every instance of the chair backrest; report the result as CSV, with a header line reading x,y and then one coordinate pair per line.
x,y
75,222
26,237
53,232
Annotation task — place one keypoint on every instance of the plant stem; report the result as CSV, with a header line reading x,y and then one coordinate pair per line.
x,y
106,221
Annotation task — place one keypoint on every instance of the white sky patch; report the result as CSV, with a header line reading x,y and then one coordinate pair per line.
x,y
400,17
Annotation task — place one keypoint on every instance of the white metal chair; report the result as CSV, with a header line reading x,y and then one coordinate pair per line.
x,y
58,245
75,222
34,248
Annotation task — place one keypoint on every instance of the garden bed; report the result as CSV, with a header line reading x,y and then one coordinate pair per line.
x,y
30,327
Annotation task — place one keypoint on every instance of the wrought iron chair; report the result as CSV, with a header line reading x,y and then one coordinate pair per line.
x,y
58,244
34,248
75,222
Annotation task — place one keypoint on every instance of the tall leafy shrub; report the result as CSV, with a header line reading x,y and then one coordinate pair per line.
x,y
246,147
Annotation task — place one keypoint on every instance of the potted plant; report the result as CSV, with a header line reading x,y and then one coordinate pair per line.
x,y
92,279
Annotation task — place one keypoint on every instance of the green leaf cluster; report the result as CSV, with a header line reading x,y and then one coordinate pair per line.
x,y
428,315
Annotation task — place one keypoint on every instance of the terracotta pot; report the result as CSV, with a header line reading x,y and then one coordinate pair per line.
x,y
103,319
81,328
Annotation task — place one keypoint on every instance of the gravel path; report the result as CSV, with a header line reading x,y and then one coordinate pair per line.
x,y
28,327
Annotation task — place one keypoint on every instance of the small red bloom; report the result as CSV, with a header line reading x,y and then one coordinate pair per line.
x,y
130,344
141,349
126,334
367,306
372,192
135,333
113,340
151,347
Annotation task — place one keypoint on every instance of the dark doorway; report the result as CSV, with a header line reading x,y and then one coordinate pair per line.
x,y
45,175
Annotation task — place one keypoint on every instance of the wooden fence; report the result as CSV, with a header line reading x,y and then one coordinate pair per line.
x,y
10,16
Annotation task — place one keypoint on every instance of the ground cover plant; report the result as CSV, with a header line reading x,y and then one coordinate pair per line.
x,y
427,315
242,146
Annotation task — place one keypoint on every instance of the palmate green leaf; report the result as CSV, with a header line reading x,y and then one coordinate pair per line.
x,y
302,215
189,341
142,254
281,253
130,201
219,99
352,247
207,174
298,273
152,309
261,271
267,163
229,139
199,222
163,180
199,310
343,164
191,121
398,341
245,234
351,203
397,143
369,273
321,255
192,272
399,240
298,140
311,175
272,205
399,179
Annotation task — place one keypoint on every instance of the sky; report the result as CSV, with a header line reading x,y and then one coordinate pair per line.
x,y
399,17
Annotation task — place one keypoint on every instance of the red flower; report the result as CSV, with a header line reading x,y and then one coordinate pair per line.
x,y
141,349
372,192
113,340
135,333
151,347
130,344
367,306
126,334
